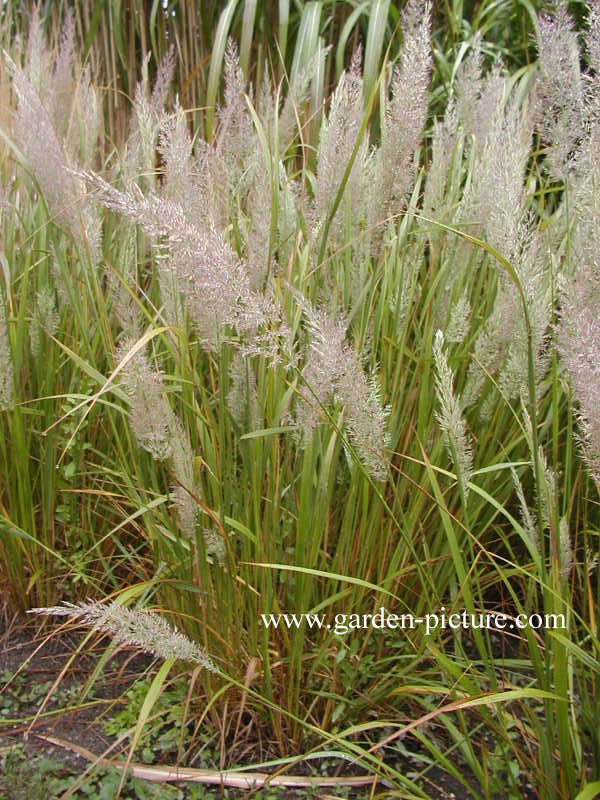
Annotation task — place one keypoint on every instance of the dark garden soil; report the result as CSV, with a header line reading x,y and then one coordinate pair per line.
x,y
43,697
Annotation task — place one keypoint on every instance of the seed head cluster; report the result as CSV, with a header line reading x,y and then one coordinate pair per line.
x,y
140,628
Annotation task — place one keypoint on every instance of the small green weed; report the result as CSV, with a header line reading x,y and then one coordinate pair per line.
x,y
162,739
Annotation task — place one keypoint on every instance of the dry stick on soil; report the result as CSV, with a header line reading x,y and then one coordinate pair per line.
x,y
232,779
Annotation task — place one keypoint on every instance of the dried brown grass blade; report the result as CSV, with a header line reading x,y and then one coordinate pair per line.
x,y
236,780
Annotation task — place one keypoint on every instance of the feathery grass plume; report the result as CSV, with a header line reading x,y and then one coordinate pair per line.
x,y
62,83
404,117
581,218
39,142
491,122
159,431
528,519
139,628
450,417
175,147
487,355
497,199
560,90
210,186
365,417
566,549
147,117
210,276
333,370
258,236
500,191
337,139
579,323
592,37
323,364
86,125
295,97
45,319
579,345
181,185
468,86
242,397
515,230
501,348
546,493
121,283
474,125
459,319
151,418
488,107
195,178
213,281
592,48
182,459
65,89
163,80
55,76
482,115
6,363
51,74
38,60
236,138
267,104
443,149
535,277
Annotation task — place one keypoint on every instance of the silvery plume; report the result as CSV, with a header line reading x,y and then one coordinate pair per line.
x,y
579,345
333,371
404,118
140,628
212,279
450,416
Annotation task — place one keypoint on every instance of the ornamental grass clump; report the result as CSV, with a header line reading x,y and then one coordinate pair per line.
x,y
319,360
225,294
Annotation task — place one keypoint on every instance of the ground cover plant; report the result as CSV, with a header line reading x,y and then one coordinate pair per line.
x,y
322,344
